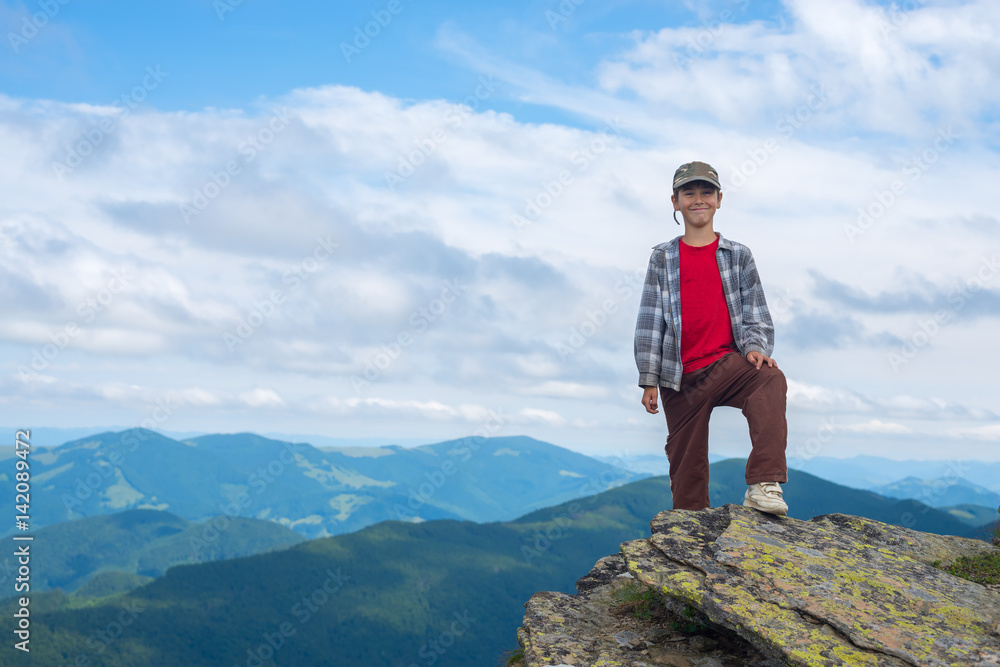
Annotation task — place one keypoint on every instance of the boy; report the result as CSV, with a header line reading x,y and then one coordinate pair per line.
x,y
703,337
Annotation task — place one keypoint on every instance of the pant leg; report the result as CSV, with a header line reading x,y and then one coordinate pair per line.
x,y
687,412
760,395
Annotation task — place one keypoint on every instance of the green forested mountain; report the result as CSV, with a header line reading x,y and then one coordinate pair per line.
x,y
395,594
143,543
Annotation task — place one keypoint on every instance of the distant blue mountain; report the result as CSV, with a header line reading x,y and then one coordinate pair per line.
x,y
648,464
315,492
869,472
941,492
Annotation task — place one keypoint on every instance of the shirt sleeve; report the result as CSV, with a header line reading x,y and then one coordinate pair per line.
x,y
649,327
758,331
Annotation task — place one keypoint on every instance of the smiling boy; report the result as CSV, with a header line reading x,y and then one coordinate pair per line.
x,y
720,356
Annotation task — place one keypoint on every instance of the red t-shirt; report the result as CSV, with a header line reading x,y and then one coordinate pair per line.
x,y
706,330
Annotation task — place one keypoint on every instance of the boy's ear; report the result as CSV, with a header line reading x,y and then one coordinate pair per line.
x,y
673,199
718,202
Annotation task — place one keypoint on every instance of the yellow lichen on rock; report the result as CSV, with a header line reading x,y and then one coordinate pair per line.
x,y
764,577
837,590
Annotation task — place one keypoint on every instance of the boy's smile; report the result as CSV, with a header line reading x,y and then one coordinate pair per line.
x,y
697,201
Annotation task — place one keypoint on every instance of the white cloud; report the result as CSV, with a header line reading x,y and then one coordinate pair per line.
x,y
566,390
876,426
547,417
884,69
197,396
818,398
527,290
988,432
262,398
466,413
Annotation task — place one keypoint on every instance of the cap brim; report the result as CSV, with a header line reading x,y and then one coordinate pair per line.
x,y
690,179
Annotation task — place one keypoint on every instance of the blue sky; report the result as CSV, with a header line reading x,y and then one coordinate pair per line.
x,y
218,221
231,55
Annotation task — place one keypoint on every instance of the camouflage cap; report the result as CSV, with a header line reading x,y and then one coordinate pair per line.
x,y
696,171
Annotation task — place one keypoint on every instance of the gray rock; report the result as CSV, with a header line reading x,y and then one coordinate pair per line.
x,y
831,591
764,590
591,628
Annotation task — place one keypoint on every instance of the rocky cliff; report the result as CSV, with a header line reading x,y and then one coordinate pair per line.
x,y
733,586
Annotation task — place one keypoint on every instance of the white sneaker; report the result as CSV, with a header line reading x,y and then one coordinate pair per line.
x,y
766,497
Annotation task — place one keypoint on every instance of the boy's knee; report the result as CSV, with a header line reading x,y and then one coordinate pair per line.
x,y
775,375
770,382
780,385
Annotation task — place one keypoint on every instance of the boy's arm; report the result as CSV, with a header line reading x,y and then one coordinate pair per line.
x,y
757,333
649,328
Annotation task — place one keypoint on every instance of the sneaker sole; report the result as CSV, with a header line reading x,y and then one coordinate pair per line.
x,y
753,505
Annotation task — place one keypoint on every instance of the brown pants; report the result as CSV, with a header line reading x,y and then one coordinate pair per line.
x,y
734,382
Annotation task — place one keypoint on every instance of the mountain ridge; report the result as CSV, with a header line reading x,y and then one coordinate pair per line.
x,y
394,587
315,492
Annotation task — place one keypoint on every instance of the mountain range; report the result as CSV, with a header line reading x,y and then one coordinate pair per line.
x,y
869,472
398,593
312,491
940,492
110,553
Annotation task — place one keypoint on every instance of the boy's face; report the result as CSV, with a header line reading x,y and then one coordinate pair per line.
x,y
697,201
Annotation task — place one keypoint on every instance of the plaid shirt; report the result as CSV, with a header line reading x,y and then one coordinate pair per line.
x,y
658,328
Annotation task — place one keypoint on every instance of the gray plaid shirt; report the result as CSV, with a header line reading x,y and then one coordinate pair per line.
x,y
658,328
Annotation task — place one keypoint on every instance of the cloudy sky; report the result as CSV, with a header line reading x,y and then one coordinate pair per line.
x,y
422,220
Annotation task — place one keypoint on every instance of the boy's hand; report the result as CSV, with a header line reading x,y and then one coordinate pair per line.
x,y
757,359
649,400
